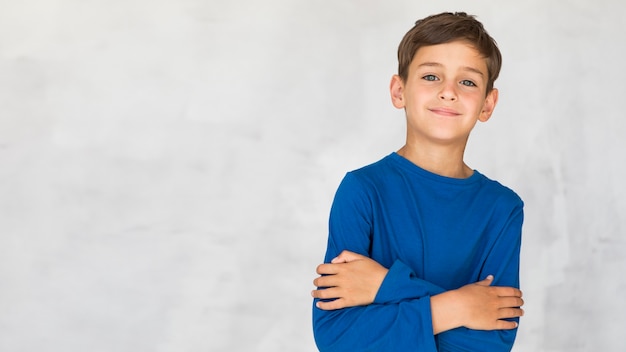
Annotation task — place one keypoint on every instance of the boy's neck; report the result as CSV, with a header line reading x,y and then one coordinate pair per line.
x,y
442,160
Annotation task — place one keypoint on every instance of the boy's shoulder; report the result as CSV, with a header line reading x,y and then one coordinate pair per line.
x,y
500,190
379,168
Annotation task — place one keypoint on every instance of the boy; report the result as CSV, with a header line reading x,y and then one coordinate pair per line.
x,y
423,251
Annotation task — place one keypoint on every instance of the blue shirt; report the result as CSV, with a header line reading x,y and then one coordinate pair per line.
x,y
435,234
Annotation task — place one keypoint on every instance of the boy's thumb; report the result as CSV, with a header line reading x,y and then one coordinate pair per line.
x,y
346,257
487,281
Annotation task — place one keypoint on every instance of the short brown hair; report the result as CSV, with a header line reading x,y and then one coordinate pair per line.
x,y
444,28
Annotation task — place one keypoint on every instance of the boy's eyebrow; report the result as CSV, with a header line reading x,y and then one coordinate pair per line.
x,y
465,68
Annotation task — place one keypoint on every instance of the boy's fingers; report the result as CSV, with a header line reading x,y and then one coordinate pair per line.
x,y
326,281
504,313
346,257
327,293
515,292
327,269
332,305
511,302
505,325
318,282
504,291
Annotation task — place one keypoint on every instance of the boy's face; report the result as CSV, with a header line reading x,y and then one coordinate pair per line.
x,y
445,93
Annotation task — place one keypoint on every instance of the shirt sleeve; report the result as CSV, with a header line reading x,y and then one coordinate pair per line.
x,y
394,325
502,261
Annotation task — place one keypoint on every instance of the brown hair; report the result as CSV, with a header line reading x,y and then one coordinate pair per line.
x,y
444,28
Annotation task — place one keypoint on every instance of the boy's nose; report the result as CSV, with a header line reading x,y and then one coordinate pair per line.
x,y
447,93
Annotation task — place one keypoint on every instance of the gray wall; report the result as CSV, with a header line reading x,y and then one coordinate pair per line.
x,y
166,167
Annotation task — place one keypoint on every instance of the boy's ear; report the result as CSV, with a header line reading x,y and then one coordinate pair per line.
x,y
490,104
396,88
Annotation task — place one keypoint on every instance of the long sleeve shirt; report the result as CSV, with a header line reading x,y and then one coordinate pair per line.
x,y
434,234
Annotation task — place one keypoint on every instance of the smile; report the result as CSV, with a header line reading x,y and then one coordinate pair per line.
x,y
443,111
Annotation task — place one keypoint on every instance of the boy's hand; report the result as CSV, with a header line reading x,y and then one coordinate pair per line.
x,y
487,305
477,306
351,279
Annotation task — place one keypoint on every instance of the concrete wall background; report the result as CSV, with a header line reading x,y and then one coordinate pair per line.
x,y
166,167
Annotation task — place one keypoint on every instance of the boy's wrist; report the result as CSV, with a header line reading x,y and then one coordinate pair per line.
x,y
447,311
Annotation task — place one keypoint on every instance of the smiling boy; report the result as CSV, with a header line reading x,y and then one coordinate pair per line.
x,y
423,251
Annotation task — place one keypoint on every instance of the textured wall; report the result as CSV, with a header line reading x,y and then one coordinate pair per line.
x,y
166,167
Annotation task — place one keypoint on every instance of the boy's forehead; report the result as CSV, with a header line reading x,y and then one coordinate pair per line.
x,y
460,53
461,68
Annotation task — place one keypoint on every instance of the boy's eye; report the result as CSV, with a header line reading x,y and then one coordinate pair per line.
x,y
468,83
430,78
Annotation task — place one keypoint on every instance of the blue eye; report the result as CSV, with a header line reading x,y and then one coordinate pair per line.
x,y
468,83
430,78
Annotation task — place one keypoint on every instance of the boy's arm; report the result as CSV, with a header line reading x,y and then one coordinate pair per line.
x,y
404,326
503,262
400,326
354,280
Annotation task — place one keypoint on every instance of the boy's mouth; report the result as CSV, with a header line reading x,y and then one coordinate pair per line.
x,y
444,111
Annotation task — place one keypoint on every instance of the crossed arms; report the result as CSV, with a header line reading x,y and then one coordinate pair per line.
x,y
353,280
352,290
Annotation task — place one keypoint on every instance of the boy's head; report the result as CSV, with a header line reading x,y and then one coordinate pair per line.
x,y
445,28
